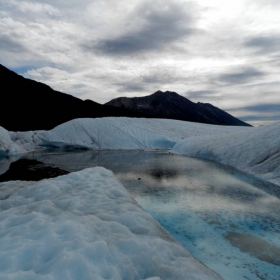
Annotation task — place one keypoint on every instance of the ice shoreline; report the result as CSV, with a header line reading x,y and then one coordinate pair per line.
x,y
255,150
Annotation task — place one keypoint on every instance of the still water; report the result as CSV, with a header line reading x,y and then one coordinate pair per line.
x,y
227,219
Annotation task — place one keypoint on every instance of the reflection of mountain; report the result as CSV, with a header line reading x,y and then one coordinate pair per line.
x,y
170,105
30,170
35,106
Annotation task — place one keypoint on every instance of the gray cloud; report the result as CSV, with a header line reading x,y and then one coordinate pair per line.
x,y
264,44
273,108
10,45
162,77
161,26
259,112
264,85
79,86
137,47
208,96
199,93
130,87
249,118
241,76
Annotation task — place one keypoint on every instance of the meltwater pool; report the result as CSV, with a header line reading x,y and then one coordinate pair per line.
x,y
227,219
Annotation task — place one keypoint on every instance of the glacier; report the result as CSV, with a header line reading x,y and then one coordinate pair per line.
x,y
7,146
85,225
116,133
254,150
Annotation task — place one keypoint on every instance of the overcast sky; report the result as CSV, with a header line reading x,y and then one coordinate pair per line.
x,y
225,52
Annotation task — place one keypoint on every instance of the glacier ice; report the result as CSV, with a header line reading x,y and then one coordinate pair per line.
x,y
7,146
256,150
84,226
116,133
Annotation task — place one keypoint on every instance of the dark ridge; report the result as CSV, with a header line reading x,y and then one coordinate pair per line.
x,y
170,105
30,105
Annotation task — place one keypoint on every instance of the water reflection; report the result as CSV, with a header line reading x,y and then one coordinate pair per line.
x,y
227,219
30,170
255,246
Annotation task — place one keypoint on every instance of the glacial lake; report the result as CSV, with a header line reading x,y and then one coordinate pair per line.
x,y
227,219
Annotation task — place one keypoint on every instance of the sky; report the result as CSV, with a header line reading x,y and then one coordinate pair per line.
x,y
226,53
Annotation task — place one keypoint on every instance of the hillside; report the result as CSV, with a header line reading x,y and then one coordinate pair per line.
x,y
170,105
30,105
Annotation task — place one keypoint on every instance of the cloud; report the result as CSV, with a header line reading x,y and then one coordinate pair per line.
x,y
250,118
38,8
241,76
273,108
160,76
199,93
9,44
256,114
265,43
129,87
224,53
265,85
34,10
155,27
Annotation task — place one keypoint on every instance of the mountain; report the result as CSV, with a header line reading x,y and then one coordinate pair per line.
x,y
170,105
30,105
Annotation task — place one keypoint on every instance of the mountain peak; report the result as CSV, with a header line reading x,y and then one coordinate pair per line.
x,y
171,105
166,92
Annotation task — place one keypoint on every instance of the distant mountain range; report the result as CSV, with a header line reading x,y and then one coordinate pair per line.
x,y
30,105
170,105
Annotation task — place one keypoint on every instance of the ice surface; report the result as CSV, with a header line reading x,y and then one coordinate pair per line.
x,y
7,146
117,133
85,225
256,150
